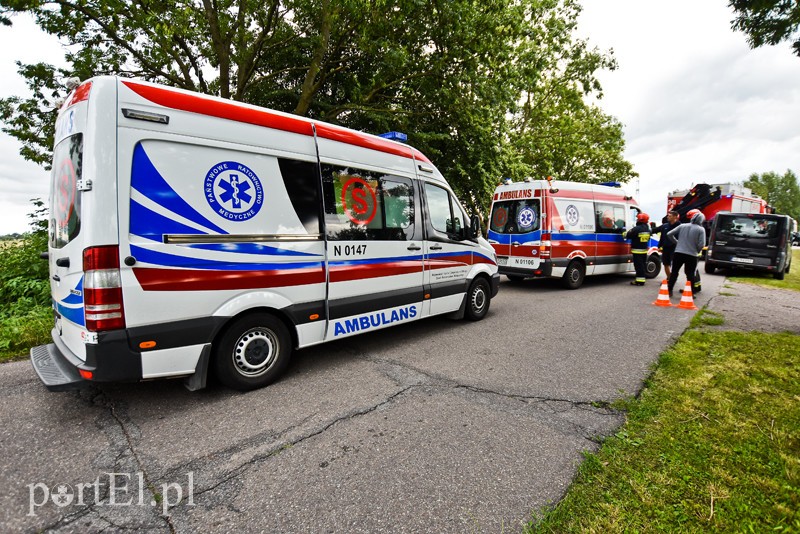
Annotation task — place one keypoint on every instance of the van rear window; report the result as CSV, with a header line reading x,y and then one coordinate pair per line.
x,y
515,216
65,202
748,227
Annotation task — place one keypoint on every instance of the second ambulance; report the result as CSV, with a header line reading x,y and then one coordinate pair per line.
x,y
565,230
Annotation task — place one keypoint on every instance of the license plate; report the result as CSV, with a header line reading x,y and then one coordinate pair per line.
x,y
502,261
742,260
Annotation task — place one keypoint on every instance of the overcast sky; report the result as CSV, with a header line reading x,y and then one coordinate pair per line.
x,y
696,103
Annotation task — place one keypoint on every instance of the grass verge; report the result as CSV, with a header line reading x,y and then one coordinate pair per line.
x,y
712,443
22,330
791,281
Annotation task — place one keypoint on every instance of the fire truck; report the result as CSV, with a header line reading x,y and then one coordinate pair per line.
x,y
711,199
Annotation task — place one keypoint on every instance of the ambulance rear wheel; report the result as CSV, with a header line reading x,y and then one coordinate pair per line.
x,y
252,352
574,275
478,298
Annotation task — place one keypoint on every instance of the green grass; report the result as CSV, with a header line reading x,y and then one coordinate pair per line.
x,y
23,329
711,444
791,281
706,317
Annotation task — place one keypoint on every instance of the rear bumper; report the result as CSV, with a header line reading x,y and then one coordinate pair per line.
x,y
55,372
545,269
111,360
116,356
767,268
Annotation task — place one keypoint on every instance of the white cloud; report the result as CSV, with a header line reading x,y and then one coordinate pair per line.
x,y
697,104
21,180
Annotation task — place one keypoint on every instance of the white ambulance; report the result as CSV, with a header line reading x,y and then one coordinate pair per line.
x,y
190,233
567,230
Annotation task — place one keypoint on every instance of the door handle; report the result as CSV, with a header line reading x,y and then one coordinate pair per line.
x,y
436,247
515,244
62,262
56,278
414,247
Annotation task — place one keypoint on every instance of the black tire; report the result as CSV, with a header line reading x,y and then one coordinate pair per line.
x,y
653,266
710,267
479,297
780,275
574,275
516,278
253,352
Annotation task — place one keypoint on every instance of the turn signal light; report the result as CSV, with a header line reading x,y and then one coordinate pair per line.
x,y
86,375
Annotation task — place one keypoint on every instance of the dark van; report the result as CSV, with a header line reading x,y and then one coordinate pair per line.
x,y
753,241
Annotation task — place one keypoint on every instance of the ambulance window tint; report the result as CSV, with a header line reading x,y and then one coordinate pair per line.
x,y
362,205
300,179
65,201
515,216
610,217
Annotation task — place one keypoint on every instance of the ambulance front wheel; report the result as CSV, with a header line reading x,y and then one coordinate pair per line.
x,y
574,275
478,298
252,352
653,266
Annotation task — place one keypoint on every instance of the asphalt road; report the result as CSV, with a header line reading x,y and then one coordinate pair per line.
x,y
434,426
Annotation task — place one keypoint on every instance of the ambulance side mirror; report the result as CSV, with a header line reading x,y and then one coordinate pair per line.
x,y
474,227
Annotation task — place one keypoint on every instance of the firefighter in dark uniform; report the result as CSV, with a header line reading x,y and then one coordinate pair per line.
x,y
639,236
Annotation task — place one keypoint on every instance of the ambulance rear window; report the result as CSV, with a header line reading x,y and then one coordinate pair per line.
x,y
65,202
515,216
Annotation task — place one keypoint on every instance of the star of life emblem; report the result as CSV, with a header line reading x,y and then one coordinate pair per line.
x,y
233,191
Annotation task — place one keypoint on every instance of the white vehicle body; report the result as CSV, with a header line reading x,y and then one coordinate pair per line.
x,y
566,230
175,216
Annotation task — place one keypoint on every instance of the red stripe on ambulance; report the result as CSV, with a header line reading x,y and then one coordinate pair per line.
x,y
228,110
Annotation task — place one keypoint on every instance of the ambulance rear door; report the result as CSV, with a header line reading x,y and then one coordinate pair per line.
x,y
515,226
82,210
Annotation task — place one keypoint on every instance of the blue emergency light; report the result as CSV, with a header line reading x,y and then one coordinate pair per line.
x,y
611,184
395,136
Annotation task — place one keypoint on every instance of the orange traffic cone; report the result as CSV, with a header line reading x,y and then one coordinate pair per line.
x,y
687,302
663,295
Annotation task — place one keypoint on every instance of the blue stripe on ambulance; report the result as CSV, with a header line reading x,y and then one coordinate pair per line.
x,y
146,179
71,306
148,224
250,248
171,260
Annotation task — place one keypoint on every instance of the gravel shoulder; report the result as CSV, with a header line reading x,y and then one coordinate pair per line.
x,y
753,308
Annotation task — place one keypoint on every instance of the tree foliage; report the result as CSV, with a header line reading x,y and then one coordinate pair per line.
x,y
485,88
780,191
768,22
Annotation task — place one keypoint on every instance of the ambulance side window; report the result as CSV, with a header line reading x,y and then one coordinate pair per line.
x,y
361,205
610,218
445,213
302,185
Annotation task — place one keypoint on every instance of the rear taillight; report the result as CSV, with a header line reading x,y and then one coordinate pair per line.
x,y
102,286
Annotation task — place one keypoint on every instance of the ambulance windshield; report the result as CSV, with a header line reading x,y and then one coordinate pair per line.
x,y
515,216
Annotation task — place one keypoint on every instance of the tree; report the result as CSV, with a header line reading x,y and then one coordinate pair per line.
x,y
768,22
555,132
782,192
450,73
